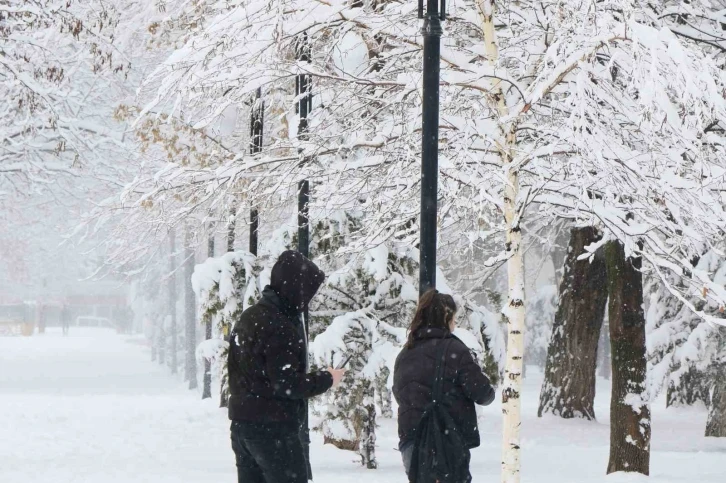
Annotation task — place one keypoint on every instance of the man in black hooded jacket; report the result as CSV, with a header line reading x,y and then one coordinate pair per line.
x,y
269,380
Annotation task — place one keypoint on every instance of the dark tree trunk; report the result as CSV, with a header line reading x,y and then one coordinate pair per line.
x,y
172,303
691,388
368,434
716,425
568,390
629,413
153,345
231,228
207,389
190,366
383,394
161,341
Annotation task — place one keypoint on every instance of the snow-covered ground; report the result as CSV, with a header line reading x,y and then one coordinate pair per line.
x,y
92,408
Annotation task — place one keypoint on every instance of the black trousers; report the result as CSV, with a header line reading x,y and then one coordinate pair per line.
x,y
268,453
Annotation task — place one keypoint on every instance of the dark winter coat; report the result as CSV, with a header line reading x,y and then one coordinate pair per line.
x,y
267,362
464,385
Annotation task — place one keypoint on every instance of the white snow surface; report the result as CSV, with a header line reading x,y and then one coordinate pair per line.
x,y
93,408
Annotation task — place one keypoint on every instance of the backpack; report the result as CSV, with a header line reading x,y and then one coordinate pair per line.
x,y
439,451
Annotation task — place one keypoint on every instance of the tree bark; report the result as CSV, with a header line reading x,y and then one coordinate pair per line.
x,y
629,411
154,343
207,389
172,302
384,394
224,391
161,340
716,425
190,366
558,254
514,310
368,436
568,390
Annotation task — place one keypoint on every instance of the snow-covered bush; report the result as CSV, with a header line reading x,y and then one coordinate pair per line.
x,y
381,286
481,330
225,286
685,356
362,311
350,412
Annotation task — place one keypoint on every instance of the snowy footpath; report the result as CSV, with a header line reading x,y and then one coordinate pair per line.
x,y
92,408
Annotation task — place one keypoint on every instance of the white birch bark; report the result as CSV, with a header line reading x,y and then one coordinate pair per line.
x,y
514,310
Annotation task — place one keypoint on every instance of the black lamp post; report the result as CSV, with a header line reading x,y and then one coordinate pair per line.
x,y
303,89
257,123
432,31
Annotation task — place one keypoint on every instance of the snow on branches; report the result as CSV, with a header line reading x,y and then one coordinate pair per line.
x,y
57,62
614,115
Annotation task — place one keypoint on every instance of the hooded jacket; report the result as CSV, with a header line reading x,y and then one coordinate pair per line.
x,y
267,361
464,385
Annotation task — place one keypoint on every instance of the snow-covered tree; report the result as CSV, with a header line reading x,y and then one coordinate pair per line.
x,y
58,66
377,294
686,358
596,113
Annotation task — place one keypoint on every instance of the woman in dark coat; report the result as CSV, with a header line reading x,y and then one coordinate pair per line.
x,y
464,382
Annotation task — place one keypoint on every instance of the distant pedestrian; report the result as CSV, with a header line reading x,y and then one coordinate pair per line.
x,y
269,379
431,347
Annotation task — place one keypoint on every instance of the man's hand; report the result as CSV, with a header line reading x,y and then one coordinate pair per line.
x,y
337,375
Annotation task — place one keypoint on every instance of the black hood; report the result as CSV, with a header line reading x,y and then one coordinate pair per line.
x,y
296,280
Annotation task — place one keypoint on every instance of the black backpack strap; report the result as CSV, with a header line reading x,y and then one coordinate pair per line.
x,y
439,371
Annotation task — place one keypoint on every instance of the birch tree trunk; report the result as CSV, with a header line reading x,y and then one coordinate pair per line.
x,y
514,313
568,390
514,309
629,411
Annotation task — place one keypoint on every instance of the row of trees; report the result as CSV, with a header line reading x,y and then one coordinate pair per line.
x,y
607,118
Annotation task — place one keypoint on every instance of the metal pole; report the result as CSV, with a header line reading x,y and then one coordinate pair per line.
x,y
254,228
305,103
231,229
432,32
303,88
257,124
303,218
